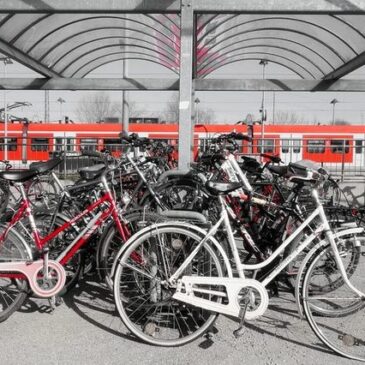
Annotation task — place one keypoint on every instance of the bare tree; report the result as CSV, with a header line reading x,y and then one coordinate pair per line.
x,y
288,117
133,110
95,107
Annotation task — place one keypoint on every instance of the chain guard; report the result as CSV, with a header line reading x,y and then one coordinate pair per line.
x,y
33,272
229,293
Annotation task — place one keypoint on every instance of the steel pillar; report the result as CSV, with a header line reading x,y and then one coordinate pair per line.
x,y
186,85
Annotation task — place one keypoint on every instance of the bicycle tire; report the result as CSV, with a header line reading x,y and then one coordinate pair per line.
x,y
42,193
13,292
176,323
335,316
111,242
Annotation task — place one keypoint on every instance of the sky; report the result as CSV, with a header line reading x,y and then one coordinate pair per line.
x,y
228,107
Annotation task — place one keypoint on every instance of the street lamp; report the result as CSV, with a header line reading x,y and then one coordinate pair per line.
x,y
61,101
197,101
333,102
6,61
263,63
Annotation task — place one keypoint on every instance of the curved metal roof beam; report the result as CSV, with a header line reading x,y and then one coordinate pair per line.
x,y
287,18
67,54
294,30
284,30
30,26
239,49
97,17
212,56
143,34
256,56
354,21
81,75
155,17
314,57
200,27
131,46
336,18
210,18
5,19
122,59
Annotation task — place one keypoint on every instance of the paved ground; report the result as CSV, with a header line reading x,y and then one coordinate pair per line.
x,y
87,330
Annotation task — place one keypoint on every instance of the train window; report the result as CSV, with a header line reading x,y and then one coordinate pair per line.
x,y
358,146
113,145
297,144
269,145
39,144
12,144
340,146
285,145
316,146
60,144
89,144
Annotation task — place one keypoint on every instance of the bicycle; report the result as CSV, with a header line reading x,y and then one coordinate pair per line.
x,y
23,264
183,278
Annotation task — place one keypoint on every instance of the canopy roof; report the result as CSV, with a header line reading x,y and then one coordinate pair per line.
x,y
313,46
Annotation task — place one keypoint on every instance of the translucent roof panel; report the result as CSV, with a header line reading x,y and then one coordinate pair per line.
x,y
310,45
72,45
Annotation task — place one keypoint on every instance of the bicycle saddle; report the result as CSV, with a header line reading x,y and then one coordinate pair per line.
x,y
91,172
18,175
219,188
278,170
43,167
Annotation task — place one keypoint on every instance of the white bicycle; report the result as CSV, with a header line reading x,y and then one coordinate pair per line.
x,y
172,279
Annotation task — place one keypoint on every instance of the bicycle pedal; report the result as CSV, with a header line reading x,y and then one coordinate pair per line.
x,y
208,342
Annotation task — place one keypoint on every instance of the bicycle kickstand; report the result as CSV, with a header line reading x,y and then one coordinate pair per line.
x,y
244,304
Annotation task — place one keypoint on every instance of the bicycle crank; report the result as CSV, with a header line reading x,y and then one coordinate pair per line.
x,y
224,295
43,286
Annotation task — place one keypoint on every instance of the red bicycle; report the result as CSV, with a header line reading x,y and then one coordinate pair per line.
x,y
25,263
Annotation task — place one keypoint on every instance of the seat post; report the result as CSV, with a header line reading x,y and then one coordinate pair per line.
x,y
22,191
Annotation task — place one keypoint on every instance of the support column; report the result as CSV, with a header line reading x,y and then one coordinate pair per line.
x,y
125,96
186,85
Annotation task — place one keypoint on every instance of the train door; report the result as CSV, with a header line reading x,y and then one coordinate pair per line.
x,y
39,146
359,151
291,148
64,142
270,145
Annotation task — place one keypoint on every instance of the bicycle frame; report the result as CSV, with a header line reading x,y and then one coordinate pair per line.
x,y
82,237
188,284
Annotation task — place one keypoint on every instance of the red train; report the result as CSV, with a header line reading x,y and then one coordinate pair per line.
x,y
327,144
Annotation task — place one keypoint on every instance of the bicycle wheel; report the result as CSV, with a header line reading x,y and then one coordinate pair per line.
x,y
42,193
344,243
335,313
13,292
111,242
145,301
